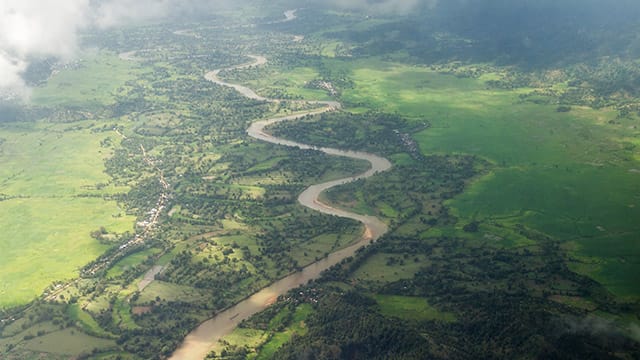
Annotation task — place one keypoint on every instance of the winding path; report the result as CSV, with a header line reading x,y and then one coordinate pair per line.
x,y
199,342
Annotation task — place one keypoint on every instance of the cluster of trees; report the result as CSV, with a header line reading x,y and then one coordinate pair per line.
x,y
160,331
416,191
346,326
613,82
592,44
504,299
371,131
529,35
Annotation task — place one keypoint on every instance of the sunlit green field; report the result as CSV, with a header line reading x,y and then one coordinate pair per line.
x,y
67,342
378,269
52,179
410,308
91,82
572,175
48,179
130,261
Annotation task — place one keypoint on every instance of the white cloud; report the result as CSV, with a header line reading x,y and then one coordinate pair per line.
x,y
32,28
10,80
36,28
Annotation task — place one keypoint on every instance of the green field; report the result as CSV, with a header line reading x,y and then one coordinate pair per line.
x,y
85,321
130,261
91,82
48,180
52,182
410,308
572,175
296,326
46,340
387,268
170,292
67,342
242,337
122,315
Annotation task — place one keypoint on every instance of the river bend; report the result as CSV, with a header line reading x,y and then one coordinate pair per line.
x,y
199,342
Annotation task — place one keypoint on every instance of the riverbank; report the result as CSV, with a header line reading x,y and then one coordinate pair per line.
x,y
199,342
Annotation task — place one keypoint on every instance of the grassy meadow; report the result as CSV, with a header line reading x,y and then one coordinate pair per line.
x,y
52,184
381,268
571,174
410,308
91,82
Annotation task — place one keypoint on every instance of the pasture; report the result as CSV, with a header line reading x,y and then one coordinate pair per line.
x,y
573,175
52,183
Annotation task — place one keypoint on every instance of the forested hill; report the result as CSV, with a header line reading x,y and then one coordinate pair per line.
x,y
530,34
544,32
595,40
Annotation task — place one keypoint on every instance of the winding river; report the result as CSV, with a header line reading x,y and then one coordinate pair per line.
x,y
199,342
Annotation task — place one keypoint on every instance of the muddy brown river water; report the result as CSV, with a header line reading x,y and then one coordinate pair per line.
x,y
199,342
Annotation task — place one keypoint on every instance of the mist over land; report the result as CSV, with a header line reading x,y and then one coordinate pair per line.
x,y
32,29
508,31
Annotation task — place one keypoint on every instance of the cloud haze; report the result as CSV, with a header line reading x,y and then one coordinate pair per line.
x,y
31,28
383,6
36,28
